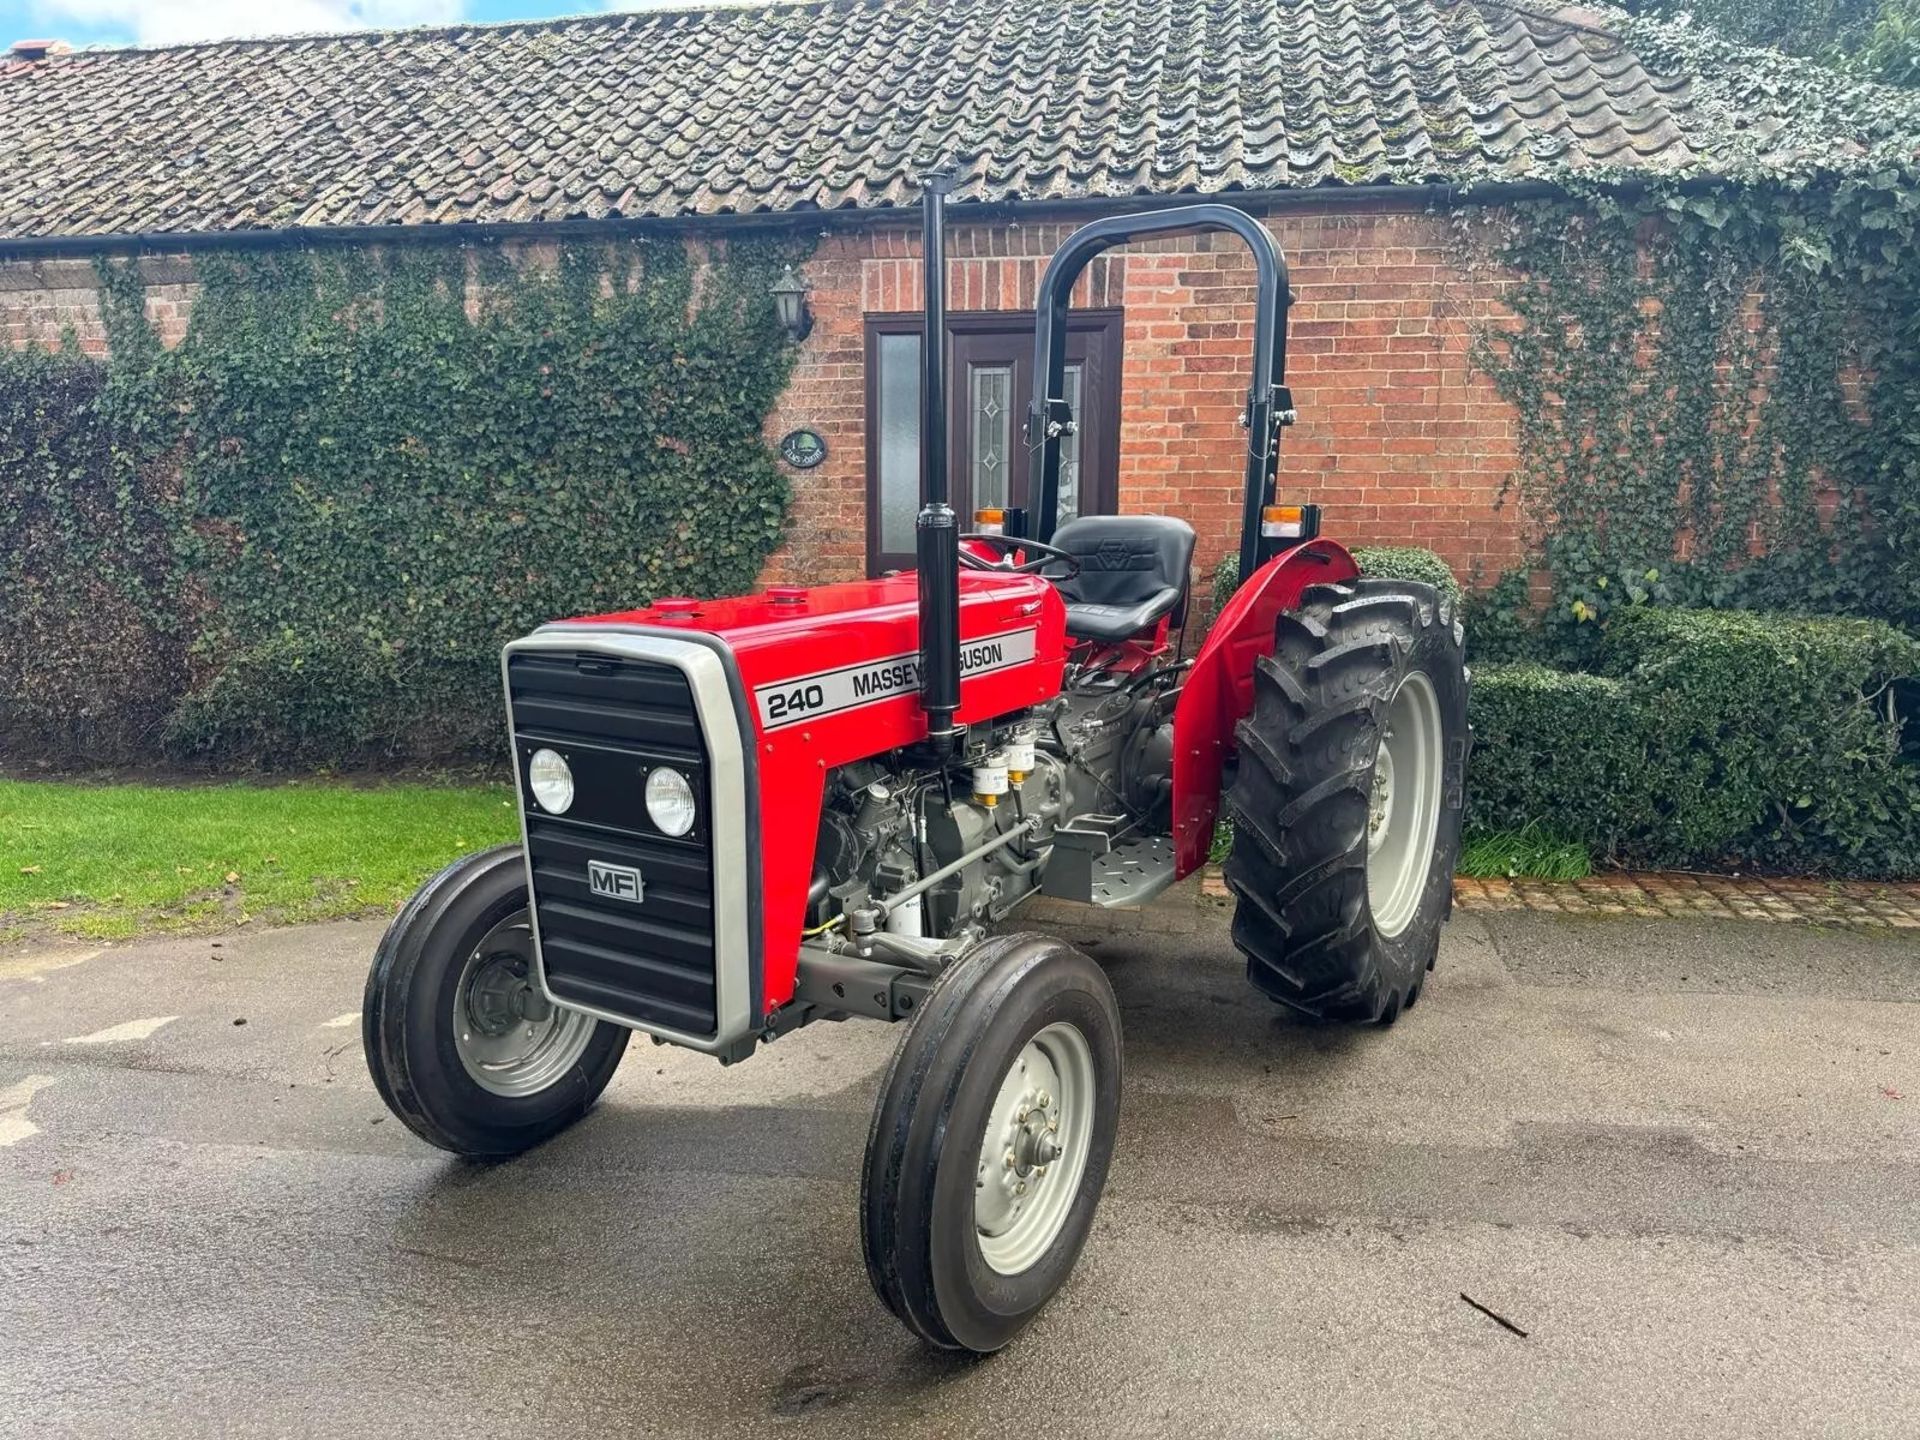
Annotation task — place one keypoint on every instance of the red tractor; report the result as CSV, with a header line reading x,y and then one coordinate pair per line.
x,y
741,816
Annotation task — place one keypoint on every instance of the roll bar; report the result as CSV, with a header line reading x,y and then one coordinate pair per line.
x,y
1269,402
1049,417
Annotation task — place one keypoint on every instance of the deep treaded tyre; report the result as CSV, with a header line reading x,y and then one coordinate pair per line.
x,y
990,1141
1347,800
459,1041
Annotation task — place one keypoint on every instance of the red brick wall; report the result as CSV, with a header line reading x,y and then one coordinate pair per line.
x,y
1397,440
44,300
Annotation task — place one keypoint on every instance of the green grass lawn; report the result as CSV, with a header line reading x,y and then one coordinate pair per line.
x,y
110,861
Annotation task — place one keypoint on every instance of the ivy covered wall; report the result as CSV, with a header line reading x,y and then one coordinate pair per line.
x,y
1716,381
301,534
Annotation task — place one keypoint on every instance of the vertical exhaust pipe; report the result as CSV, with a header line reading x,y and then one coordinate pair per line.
x,y
936,531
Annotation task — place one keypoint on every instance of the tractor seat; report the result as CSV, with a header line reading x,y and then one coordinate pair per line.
x,y
1133,570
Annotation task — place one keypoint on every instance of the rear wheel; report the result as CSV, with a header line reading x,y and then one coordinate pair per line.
x,y
1348,799
990,1142
460,1041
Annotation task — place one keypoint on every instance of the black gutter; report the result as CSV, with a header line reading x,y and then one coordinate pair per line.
x,y
173,242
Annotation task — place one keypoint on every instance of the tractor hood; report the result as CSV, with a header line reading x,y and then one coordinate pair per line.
x,y
848,655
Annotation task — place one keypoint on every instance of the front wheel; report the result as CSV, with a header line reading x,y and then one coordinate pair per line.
x,y
460,1041
990,1142
1348,798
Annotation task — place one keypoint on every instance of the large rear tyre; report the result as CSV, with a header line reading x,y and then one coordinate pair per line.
x,y
1348,798
461,1044
990,1142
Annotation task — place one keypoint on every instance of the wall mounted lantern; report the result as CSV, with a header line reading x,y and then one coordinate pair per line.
x,y
790,303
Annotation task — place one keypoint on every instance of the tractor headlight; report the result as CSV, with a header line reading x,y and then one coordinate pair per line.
x,y
551,781
670,800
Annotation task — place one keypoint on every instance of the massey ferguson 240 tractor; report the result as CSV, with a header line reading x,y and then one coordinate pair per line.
x,y
742,816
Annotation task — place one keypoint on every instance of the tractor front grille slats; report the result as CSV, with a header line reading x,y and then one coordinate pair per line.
x,y
650,960
604,701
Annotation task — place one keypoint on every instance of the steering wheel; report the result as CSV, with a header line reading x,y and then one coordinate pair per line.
x,y
1042,554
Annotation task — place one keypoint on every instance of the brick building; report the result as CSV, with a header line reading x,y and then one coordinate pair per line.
x,y
1358,129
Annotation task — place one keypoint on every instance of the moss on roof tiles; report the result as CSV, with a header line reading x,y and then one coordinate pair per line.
x,y
717,110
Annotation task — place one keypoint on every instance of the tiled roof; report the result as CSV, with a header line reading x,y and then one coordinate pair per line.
x,y
781,107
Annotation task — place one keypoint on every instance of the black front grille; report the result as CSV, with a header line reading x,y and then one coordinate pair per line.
x,y
614,720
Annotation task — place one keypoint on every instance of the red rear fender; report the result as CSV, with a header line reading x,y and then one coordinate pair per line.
x,y
1220,688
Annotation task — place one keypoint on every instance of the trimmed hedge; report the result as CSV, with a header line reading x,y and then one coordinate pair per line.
x,y
1384,562
1408,562
1714,737
1778,738
1561,750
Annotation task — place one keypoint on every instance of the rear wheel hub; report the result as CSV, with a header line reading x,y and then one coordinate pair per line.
x,y
1403,805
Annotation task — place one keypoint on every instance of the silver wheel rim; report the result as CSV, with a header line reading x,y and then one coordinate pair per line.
x,y
1033,1155
1403,806
511,1039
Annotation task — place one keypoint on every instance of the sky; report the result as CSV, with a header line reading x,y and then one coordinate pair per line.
x,y
163,22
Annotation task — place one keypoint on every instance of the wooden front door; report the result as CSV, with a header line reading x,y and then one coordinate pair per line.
x,y
990,383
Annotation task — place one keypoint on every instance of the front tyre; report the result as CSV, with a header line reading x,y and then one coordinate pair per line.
x,y
990,1142
1348,799
459,1040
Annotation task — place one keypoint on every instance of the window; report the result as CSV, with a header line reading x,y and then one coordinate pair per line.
x,y
990,425
896,423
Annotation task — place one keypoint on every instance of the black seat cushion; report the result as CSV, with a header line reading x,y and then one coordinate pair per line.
x,y
1133,570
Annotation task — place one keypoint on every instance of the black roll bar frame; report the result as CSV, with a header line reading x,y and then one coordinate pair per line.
x,y
1269,402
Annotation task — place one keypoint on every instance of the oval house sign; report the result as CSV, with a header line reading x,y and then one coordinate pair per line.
x,y
803,449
